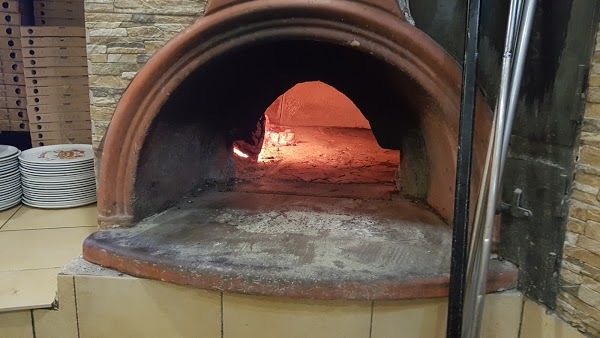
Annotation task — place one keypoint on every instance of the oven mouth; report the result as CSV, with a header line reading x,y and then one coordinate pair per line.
x,y
226,106
148,94
367,222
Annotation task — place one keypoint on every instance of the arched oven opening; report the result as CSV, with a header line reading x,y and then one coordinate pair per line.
x,y
269,149
234,104
313,140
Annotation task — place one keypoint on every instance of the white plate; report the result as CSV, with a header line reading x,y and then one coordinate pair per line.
x,y
57,165
58,177
45,168
8,169
9,163
58,201
10,159
59,186
10,179
59,192
53,197
9,173
10,200
61,173
55,183
44,194
8,188
7,152
66,187
58,172
55,179
4,188
64,204
84,163
60,153
11,197
59,206
10,205
14,195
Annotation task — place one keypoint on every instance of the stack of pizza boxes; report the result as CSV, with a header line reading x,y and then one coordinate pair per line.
x,y
56,81
58,13
13,98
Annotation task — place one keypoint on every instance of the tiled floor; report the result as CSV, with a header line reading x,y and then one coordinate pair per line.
x,y
34,245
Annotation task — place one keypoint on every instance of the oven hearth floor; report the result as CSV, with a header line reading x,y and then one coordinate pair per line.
x,y
291,246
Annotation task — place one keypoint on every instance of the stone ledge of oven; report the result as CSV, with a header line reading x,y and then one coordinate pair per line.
x,y
292,246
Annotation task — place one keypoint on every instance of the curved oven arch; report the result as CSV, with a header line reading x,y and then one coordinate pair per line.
x,y
419,72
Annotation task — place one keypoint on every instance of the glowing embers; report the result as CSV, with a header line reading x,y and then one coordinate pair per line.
x,y
323,155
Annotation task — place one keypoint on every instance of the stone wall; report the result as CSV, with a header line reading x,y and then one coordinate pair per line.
x,y
579,298
122,35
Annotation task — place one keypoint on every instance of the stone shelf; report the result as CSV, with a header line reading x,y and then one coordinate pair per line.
x,y
292,246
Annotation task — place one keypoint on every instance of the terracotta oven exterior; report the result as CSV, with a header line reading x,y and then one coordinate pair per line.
x,y
376,28
174,127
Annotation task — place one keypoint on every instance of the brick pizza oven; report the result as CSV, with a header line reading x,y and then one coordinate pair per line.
x,y
214,174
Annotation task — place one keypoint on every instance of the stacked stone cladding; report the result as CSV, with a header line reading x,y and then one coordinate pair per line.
x,y
579,298
122,36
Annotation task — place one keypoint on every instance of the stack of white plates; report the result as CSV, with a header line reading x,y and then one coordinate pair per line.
x,y
58,176
10,178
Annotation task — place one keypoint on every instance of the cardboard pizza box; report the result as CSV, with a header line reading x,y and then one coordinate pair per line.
x,y
61,125
67,140
38,72
60,117
63,90
63,108
57,81
57,61
62,134
28,52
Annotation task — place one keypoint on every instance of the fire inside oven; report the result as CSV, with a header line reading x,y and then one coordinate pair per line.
x,y
298,117
311,139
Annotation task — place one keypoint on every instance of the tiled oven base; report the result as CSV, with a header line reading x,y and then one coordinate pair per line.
x,y
98,302
291,246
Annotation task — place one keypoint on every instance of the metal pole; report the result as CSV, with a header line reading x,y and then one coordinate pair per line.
x,y
476,232
520,55
483,188
520,20
500,147
477,266
458,265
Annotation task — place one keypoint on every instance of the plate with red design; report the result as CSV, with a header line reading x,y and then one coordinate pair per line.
x,y
58,175
59,154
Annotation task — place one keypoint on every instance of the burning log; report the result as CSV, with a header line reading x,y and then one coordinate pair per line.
x,y
251,146
265,134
